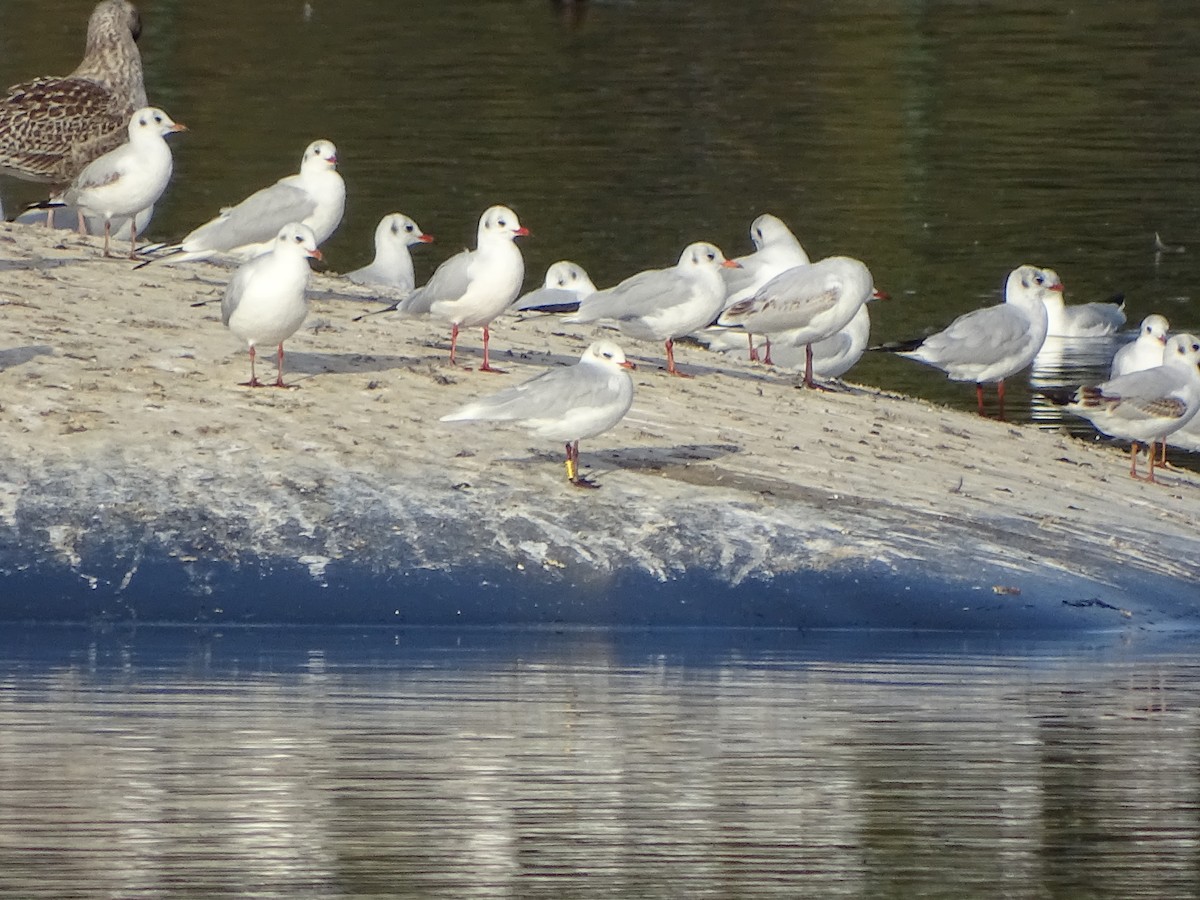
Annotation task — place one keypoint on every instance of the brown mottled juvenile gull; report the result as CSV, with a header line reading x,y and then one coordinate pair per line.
x,y
51,127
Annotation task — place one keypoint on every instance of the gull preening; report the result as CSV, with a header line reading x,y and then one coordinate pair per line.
x,y
392,266
128,180
566,404
266,300
1147,406
565,286
805,304
315,197
473,287
52,127
663,304
776,250
1146,350
990,344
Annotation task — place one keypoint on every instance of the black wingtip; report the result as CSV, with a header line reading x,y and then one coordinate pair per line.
x,y
1059,396
898,346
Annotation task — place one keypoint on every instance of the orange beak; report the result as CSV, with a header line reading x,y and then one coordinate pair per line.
x,y
315,254
628,365
731,264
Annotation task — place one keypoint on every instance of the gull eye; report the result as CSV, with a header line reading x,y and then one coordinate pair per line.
x,y
408,228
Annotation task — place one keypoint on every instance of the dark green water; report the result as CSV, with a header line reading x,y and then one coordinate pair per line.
x,y
943,143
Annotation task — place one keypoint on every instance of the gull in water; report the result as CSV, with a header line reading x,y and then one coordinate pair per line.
x,y
473,287
393,265
51,127
315,197
125,181
565,404
663,304
990,344
1144,407
1082,319
265,302
565,287
776,250
1146,350
805,304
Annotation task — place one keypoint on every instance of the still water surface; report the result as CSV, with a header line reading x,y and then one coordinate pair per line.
x,y
550,764
942,142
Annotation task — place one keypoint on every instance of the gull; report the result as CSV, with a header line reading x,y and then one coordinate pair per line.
x,y
131,178
1147,406
473,287
564,404
51,127
805,304
663,304
992,343
315,197
1145,351
776,250
265,302
565,287
393,265
832,357
1081,319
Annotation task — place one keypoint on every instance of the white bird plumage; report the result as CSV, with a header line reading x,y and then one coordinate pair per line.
x,y
565,404
315,197
1147,406
473,287
1081,319
663,304
392,266
125,181
266,301
805,304
991,344
565,286
1146,350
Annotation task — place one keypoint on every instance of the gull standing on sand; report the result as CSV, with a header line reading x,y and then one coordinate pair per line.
x,y
805,304
473,287
1144,407
1145,351
1081,319
565,286
393,265
564,404
992,343
831,358
265,302
125,181
776,250
663,304
315,197
50,128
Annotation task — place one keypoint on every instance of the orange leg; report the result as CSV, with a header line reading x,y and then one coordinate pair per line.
x,y
671,360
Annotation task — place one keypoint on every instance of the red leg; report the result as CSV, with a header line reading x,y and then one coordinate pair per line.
x,y
979,397
767,356
453,341
753,349
1000,397
107,235
279,366
1151,455
253,382
671,360
487,366
133,237
81,227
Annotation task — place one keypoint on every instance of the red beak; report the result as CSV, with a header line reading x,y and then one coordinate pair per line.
x,y
880,295
315,254
426,239
522,231
628,365
731,264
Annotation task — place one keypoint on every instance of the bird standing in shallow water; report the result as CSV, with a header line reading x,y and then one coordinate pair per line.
x,y
565,404
992,343
265,302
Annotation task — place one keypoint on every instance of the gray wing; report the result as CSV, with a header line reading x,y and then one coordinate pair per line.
x,y
1097,316
982,336
632,297
449,281
552,394
1142,395
789,300
255,220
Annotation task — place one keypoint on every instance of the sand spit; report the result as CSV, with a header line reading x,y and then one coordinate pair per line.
x,y
139,481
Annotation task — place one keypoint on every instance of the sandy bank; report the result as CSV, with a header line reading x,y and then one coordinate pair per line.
x,y
139,481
